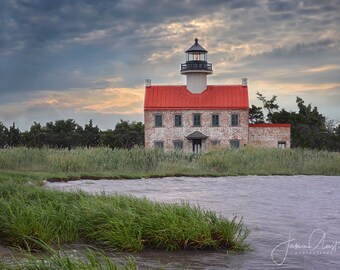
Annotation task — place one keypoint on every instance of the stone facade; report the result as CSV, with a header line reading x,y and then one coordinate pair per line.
x,y
257,135
221,134
269,135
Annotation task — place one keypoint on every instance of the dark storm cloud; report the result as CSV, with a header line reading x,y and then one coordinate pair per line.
x,y
282,6
33,23
30,24
303,7
301,49
44,41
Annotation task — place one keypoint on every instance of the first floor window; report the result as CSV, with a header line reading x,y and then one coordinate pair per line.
x,y
158,120
197,120
281,144
178,145
215,120
234,120
159,144
178,120
234,144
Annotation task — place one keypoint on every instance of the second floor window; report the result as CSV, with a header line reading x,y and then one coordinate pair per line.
x,y
158,120
215,120
197,120
178,120
234,120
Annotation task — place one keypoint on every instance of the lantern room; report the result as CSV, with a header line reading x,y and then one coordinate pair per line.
x,y
196,52
196,60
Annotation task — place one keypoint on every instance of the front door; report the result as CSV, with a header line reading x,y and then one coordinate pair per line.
x,y
196,146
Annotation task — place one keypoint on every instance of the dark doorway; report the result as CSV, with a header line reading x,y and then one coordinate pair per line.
x,y
196,146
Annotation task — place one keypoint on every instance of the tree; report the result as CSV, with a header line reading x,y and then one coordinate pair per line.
x,y
63,134
311,126
13,136
270,105
108,138
3,135
127,135
91,135
255,115
283,117
36,137
337,138
309,129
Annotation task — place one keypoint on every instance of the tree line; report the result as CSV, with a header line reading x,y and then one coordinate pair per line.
x,y
69,134
310,129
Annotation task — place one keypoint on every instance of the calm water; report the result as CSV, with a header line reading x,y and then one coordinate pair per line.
x,y
301,210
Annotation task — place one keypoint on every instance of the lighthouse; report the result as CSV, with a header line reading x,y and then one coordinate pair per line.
x,y
196,117
196,68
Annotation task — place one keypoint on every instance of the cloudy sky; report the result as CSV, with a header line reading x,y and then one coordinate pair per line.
x,y
85,59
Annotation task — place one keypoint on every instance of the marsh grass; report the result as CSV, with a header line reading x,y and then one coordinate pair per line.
x,y
250,161
123,223
29,213
133,163
140,162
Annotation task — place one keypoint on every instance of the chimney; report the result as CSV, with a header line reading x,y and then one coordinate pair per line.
x,y
244,81
147,82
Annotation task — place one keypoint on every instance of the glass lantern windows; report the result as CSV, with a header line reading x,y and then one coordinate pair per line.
x,y
196,56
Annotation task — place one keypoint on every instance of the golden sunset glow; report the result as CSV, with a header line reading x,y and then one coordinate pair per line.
x,y
106,101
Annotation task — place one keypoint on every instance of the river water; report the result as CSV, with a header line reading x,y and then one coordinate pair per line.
x,y
294,221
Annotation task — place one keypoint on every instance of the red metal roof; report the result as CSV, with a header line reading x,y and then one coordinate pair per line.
x,y
178,97
270,125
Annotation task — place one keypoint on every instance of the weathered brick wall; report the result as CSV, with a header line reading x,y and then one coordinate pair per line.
x,y
269,136
168,133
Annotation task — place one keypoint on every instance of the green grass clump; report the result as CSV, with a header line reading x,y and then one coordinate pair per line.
x,y
28,212
124,223
140,162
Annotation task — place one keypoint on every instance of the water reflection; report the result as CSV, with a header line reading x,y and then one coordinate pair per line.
x,y
273,207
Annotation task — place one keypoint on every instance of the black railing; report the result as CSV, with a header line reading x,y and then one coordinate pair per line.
x,y
196,65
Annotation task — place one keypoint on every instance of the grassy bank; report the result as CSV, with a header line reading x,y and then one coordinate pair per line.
x,y
136,163
29,214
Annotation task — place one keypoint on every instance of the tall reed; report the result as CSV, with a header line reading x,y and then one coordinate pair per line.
x,y
140,162
262,161
90,161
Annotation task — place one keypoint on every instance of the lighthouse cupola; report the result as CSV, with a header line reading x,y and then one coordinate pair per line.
x,y
196,68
